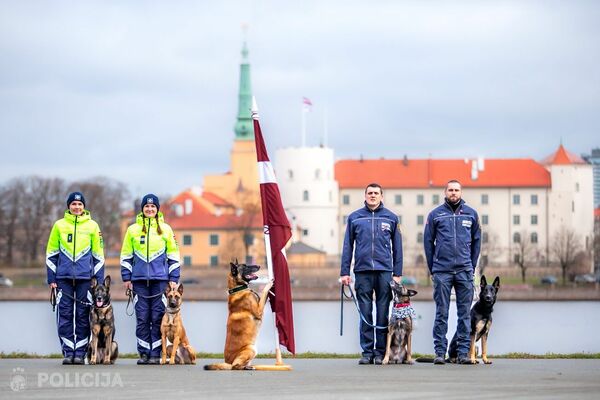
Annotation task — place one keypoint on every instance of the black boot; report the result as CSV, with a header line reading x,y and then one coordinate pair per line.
x,y
143,359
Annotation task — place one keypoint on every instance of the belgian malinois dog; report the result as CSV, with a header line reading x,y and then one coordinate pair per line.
x,y
103,348
246,310
171,327
481,322
399,337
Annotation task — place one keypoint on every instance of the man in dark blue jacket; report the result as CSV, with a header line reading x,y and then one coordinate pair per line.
x,y
373,235
452,244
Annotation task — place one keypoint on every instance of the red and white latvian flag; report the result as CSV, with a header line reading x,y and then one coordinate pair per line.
x,y
277,233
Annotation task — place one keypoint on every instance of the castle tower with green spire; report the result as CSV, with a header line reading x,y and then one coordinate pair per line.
x,y
243,173
243,127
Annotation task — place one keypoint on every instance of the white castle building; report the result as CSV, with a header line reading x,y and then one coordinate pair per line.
x,y
309,192
517,199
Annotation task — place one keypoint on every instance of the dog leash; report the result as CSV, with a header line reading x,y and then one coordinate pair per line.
x,y
53,298
54,295
129,293
353,297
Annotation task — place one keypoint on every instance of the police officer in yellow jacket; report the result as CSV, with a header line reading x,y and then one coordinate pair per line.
x,y
149,260
73,256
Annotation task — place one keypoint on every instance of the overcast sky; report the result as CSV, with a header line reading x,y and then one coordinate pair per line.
x,y
146,91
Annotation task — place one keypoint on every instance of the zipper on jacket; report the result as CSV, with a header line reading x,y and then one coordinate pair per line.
x,y
148,255
74,247
373,239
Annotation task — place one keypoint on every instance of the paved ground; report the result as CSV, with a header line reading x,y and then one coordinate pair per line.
x,y
315,379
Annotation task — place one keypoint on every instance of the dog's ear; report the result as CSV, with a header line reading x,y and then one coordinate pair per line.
x,y
234,270
411,292
107,281
94,282
168,288
180,289
496,283
483,282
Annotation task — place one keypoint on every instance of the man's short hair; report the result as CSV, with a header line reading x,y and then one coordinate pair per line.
x,y
376,185
453,181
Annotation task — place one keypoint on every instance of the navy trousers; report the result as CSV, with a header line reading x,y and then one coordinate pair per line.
x,y
149,312
463,287
373,341
73,317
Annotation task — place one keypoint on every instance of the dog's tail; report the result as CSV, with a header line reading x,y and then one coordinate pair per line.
x,y
218,367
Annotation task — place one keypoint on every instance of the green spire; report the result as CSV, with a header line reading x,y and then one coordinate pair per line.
x,y
243,127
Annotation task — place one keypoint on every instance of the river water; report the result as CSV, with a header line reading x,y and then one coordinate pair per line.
x,y
531,327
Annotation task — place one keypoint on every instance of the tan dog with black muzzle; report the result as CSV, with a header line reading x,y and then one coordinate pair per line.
x,y
171,328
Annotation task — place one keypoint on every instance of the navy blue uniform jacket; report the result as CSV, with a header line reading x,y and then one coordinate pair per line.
x,y
452,240
375,238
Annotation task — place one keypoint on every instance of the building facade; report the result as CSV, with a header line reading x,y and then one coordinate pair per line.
x,y
522,203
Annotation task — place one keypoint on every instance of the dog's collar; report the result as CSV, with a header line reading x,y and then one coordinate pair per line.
x,y
171,310
401,305
238,289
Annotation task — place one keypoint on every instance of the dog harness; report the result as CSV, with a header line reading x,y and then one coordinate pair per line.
x,y
403,310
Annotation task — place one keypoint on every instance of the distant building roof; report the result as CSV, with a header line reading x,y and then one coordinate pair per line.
x,y
563,157
302,248
199,217
423,173
597,212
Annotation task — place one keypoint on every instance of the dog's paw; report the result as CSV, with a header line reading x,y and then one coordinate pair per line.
x,y
486,361
409,362
249,368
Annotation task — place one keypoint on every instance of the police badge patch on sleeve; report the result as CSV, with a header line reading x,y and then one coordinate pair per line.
x,y
386,226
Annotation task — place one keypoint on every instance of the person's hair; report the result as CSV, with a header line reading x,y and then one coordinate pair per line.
x,y
157,225
453,181
375,185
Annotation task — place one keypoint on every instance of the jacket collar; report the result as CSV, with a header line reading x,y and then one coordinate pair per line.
x,y
379,207
460,205
85,216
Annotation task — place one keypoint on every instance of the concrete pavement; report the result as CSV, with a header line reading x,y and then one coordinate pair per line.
x,y
314,378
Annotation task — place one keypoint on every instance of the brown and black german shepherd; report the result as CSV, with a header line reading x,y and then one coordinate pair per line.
x,y
481,321
103,348
180,350
399,337
246,310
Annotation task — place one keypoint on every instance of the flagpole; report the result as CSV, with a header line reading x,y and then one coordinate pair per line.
x,y
269,256
304,112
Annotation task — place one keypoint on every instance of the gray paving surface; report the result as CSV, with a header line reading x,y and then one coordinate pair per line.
x,y
315,379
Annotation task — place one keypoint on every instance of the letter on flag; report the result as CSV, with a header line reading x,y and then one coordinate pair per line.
x,y
278,232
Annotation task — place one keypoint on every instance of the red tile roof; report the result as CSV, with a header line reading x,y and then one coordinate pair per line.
x,y
216,200
562,157
436,173
597,212
201,218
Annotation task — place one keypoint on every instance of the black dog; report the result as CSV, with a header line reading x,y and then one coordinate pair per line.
x,y
103,348
481,322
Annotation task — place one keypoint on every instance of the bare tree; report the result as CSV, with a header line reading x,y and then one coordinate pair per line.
x,y
41,204
596,246
524,251
490,249
246,221
10,209
565,246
